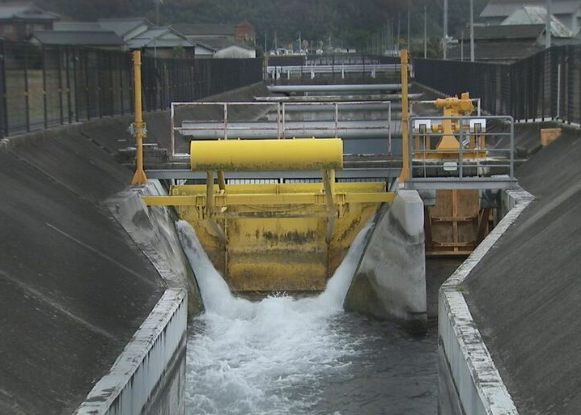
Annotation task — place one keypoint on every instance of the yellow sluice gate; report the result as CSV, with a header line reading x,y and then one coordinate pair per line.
x,y
274,236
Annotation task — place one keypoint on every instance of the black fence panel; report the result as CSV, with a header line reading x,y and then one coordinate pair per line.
x,y
41,87
545,86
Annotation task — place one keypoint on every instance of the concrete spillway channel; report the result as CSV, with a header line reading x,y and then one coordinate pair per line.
x,y
102,313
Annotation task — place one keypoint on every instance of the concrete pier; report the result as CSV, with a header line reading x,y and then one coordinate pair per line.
x,y
390,282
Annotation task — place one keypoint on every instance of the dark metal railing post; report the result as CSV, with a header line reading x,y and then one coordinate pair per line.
x,y
3,93
68,80
121,97
26,97
59,56
76,84
99,88
86,55
111,90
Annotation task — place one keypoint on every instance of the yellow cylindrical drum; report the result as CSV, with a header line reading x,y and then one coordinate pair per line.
x,y
289,154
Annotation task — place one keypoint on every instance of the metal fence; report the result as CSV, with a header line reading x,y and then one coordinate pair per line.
x,y
42,87
545,86
305,69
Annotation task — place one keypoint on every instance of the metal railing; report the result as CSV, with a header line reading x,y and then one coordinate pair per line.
x,y
41,87
486,148
336,66
544,86
276,72
281,128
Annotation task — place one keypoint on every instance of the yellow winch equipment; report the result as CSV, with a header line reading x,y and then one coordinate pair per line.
x,y
257,155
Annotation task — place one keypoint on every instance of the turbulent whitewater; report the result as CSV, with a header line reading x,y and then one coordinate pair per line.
x,y
266,357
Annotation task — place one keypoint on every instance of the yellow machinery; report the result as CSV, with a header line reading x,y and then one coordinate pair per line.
x,y
448,145
456,224
274,236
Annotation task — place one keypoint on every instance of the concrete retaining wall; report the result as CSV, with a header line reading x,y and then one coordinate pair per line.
x,y
390,281
469,380
153,352
153,230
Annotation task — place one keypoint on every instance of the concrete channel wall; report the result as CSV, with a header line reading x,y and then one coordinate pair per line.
x,y
469,380
75,287
153,231
154,357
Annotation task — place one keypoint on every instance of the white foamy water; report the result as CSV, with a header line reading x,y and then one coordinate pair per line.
x,y
266,357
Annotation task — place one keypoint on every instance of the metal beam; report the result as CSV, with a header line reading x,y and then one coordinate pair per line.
x,y
361,106
334,88
269,129
480,183
339,98
363,173
224,200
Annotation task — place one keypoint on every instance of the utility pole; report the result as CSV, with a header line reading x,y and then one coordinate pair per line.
x,y
471,30
445,41
157,3
300,43
462,45
265,41
548,25
387,36
409,45
398,29
425,31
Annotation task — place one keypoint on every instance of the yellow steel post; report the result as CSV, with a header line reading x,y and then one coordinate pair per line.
x,y
404,116
329,187
209,193
138,124
221,180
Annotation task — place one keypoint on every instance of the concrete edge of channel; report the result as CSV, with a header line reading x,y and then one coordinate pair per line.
x,y
478,384
134,376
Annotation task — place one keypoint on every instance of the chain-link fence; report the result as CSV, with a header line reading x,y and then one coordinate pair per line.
x,y
545,86
47,86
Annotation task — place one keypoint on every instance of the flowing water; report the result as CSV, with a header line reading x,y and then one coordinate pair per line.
x,y
284,355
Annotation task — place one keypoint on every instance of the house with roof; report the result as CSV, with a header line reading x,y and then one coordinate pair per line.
x,y
236,51
531,15
567,12
519,35
498,44
134,33
126,28
89,38
162,42
19,19
219,36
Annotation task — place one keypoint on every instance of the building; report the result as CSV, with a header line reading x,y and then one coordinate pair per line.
x,y
245,33
500,44
135,33
19,20
236,51
162,42
519,35
96,39
525,15
126,28
219,35
566,11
